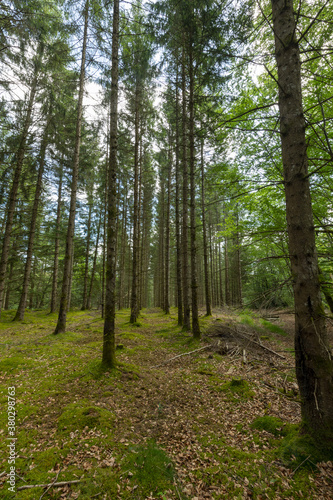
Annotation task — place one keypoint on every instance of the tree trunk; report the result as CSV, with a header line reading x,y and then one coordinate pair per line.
x,y
123,253
177,214
61,325
56,248
167,235
19,316
134,296
186,303
86,267
314,367
194,278
204,235
94,264
109,352
15,185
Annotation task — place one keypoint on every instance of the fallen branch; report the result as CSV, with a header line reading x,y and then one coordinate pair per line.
x,y
50,486
61,483
260,345
184,354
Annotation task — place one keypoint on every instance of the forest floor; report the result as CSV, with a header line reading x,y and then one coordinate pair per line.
x,y
220,422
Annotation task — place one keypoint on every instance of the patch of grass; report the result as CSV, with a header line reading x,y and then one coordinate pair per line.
x,y
273,328
76,416
149,468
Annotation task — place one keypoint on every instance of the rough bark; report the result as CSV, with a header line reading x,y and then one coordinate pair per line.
x,y
64,302
314,367
19,316
109,352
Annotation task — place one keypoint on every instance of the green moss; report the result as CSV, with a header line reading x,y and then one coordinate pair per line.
x,y
270,424
77,416
149,467
300,449
14,363
238,388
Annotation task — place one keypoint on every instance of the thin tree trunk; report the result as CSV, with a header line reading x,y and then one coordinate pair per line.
x,y
19,316
186,309
314,367
123,254
86,267
109,352
167,235
134,296
204,235
177,214
56,247
70,281
194,277
61,325
15,185
94,264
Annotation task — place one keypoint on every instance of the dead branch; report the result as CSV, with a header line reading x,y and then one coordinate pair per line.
x,y
61,483
184,354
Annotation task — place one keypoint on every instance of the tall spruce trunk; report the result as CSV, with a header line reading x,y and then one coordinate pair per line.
x,y
94,264
314,367
177,217
109,351
134,296
64,299
194,277
204,235
19,316
86,267
186,302
16,180
123,253
167,235
56,248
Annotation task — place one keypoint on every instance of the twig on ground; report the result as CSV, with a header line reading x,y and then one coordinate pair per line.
x,y
50,486
184,354
307,458
62,483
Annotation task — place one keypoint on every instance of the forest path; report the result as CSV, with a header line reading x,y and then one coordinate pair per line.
x,y
178,430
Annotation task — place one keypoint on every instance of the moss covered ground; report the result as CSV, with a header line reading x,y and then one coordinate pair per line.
x,y
202,426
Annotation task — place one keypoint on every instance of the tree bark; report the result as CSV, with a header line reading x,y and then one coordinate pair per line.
x,y
61,325
194,277
56,247
86,267
177,215
314,367
94,264
167,235
186,303
134,296
109,351
19,316
204,235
